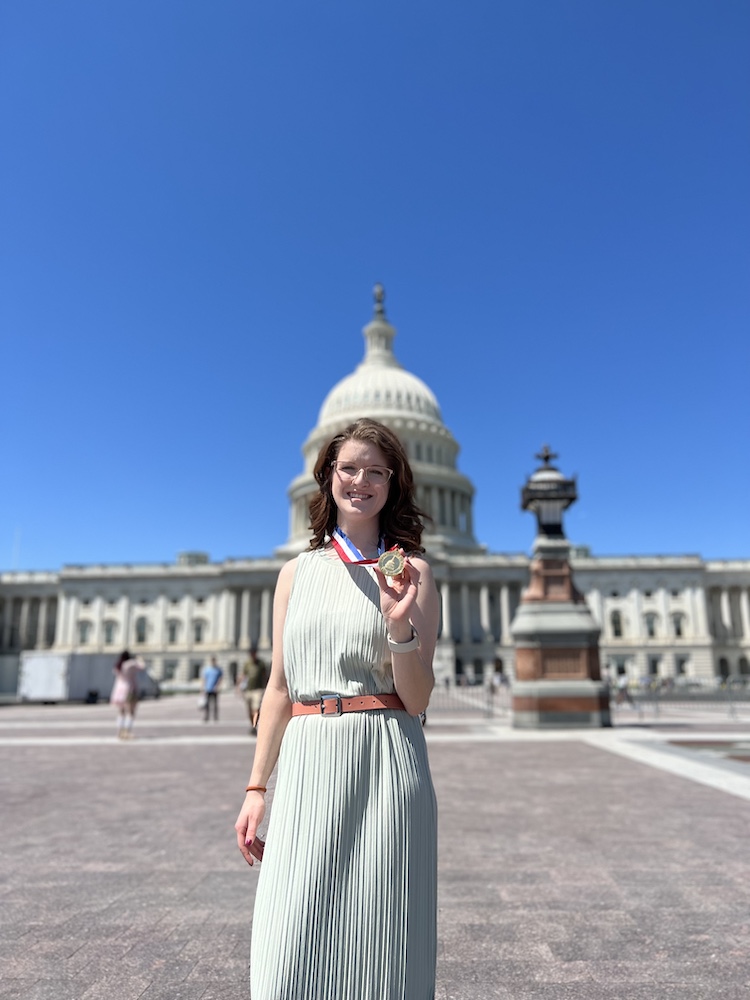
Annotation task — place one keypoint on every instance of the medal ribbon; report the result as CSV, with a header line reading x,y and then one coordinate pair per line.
x,y
348,551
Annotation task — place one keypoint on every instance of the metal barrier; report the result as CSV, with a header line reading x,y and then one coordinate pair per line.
x,y
477,699
719,697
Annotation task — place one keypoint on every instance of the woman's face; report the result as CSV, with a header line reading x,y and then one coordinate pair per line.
x,y
359,497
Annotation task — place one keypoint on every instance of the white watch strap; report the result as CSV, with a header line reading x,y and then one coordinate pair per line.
x,y
404,647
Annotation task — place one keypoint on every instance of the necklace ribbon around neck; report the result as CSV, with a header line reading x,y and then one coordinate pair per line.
x,y
349,553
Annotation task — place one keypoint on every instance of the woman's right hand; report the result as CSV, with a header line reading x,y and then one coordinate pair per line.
x,y
250,817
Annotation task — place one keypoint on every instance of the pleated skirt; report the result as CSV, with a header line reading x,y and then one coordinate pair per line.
x,y
347,893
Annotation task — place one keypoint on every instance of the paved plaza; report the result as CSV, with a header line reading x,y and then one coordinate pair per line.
x,y
607,864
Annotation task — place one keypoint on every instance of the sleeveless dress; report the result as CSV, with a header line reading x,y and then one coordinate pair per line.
x,y
346,901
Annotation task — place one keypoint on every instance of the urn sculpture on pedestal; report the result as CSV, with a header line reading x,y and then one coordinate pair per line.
x,y
557,678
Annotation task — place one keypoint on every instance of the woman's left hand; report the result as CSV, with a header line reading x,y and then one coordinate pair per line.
x,y
397,597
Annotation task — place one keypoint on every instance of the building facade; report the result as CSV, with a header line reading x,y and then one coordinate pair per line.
x,y
660,616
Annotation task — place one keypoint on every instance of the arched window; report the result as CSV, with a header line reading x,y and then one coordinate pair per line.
x,y
199,631
84,633
651,621
744,666
616,622
110,633
678,624
173,631
140,630
724,668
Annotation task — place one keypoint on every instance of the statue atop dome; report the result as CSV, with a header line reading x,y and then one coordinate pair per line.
x,y
378,293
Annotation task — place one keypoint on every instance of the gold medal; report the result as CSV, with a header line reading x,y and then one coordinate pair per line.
x,y
391,564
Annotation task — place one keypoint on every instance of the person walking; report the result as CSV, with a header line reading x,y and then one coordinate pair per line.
x,y
346,899
124,694
210,686
250,685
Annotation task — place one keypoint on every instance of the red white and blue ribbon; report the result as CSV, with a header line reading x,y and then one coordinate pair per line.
x,y
348,551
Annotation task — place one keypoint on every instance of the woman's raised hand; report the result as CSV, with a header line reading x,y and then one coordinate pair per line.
x,y
397,597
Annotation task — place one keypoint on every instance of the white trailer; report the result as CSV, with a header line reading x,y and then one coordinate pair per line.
x,y
51,677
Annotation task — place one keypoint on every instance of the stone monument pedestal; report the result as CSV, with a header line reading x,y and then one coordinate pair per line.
x,y
557,677
557,654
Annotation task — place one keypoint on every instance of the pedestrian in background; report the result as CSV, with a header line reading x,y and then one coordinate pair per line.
x,y
210,686
125,692
251,685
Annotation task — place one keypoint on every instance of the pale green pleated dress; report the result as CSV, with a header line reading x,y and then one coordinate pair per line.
x,y
346,900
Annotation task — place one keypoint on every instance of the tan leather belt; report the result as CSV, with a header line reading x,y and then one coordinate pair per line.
x,y
334,704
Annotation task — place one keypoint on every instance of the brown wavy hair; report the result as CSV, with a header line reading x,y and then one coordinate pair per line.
x,y
401,520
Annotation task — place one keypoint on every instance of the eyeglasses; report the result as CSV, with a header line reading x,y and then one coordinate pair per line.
x,y
376,475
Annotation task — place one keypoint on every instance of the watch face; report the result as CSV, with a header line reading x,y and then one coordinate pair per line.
x,y
391,564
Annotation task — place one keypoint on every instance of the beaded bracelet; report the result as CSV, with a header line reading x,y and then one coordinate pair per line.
x,y
256,788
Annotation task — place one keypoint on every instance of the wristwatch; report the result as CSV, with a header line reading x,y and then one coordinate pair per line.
x,y
404,647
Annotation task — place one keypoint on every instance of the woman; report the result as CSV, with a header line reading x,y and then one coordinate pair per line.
x,y
125,692
346,900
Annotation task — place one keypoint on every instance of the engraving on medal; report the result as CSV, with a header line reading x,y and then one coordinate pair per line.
x,y
391,564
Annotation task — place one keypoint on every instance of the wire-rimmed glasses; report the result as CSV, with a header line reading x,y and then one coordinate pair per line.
x,y
375,475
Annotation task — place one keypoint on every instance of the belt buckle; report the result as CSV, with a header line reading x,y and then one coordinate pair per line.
x,y
338,710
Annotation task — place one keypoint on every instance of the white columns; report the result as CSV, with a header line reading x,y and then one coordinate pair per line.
x,y
230,618
484,612
162,613
445,596
726,612
7,622
41,625
244,640
700,612
465,614
125,622
189,610
62,615
71,612
664,603
637,613
23,627
596,607
264,640
218,614
505,636
745,612
434,505
97,611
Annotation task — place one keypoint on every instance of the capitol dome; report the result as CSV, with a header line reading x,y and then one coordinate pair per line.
x,y
381,388
379,384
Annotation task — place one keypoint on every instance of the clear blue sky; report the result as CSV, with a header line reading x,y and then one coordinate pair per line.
x,y
197,199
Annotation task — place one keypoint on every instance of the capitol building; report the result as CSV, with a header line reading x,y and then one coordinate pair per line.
x,y
660,616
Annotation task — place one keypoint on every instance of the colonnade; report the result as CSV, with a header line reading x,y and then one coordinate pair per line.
x,y
465,606
730,608
447,507
27,622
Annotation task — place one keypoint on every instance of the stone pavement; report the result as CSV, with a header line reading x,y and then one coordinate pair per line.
x,y
611,864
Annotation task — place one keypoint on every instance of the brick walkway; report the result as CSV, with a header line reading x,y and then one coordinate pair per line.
x,y
595,866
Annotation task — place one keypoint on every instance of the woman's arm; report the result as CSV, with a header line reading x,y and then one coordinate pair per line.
x,y
276,713
412,600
